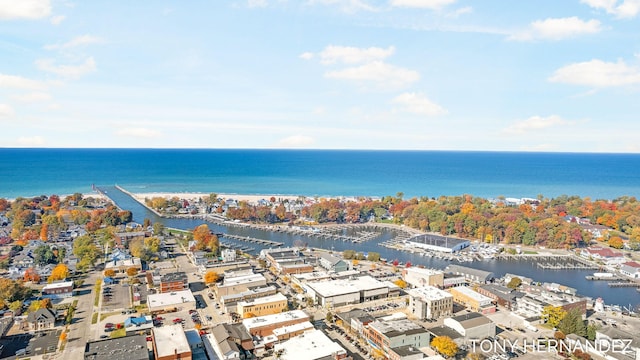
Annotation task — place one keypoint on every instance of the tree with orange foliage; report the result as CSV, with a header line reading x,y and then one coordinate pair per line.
x,y
63,336
210,277
132,271
44,232
616,242
31,275
60,272
110,273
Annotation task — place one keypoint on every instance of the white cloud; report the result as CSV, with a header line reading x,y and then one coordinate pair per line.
x,y
295,141
383,74
353,55
461,11
24,9
57,20
139,132
346,5
558,29
68,71
30,141
535,123
6,111
422,4
77,41
419,104
18,82
33,97
597,73
625,9
257,3
306,56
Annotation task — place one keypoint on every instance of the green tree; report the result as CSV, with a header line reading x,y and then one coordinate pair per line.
x,y
514,282
373,256
348,254
572,323
43,255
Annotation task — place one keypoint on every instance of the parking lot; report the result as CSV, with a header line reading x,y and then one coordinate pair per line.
x,y
349,342
13,343
116,296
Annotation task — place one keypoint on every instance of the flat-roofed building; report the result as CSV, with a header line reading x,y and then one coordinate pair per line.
x,y
471,274
170,342
501,295
174,281
429,302
418,277
311,345
266,305
123,348
58,290
121,266
451,280
332,293
178,300
438,243
472,326
384,335
264,325
472,299
406,352
240,283
295,268
289,331
230,302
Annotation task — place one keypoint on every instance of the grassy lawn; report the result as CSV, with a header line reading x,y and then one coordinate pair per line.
x,y
118,333
94,318
106,315
97,288
529,252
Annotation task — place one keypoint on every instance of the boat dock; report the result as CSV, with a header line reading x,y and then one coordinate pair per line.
x,y
252,240
229,245
553,261
624,284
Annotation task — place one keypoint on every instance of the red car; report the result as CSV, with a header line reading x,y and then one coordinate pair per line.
x,y
177,320
149,338
159,318
108,325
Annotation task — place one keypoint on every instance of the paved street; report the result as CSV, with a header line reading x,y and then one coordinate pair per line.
x,y
80,329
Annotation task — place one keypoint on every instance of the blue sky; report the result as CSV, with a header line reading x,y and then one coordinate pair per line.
x,y
539,75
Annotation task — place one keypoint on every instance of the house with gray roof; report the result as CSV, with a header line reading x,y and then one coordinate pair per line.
x,y
42,319
332,263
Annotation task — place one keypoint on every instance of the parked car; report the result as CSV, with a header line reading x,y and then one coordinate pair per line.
x,y
149,338
177,320
108,325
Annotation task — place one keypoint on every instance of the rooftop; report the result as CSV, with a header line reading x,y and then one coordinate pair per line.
x,y
124,348
481,274
169,340
438,240
263,300
330,288
429,293
174,276
58,285
391,328
292,328
471,294
268,320
314,344
172,298
471,320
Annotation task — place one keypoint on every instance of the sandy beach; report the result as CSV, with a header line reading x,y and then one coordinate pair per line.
x,y
252,199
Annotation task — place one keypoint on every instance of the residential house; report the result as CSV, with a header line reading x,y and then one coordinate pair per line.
x,y
41,319
606,255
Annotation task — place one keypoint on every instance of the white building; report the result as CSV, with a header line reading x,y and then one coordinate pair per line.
x,y
171,341
630,269
311,345
430,302
228,255
179,300
332,293
418,277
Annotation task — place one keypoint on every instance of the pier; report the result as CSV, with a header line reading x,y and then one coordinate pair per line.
x,y
552,261
252,240
624,284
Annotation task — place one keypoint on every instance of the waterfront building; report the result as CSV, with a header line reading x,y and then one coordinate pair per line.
x,y
167,302
471,274
228,255
630,269
501,295
332,263
311,345
451,280
128,347
429,302
170,342
471,326
524,280
388,334
432,242
265,325
419,277
276,258
606,255
472,299
266,305
295,268
332,293
533,303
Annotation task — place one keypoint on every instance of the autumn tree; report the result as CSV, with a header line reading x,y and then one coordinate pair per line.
x,y
86,251
31,275
205,240
400,283
552,315
616,242
444,345
132,271
44,232
514,282
60,272
210,277
109,273
11,290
